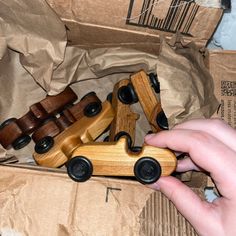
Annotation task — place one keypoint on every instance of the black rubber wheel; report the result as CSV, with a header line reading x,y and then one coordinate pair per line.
x,y
79,168
147,170
154,82
87,95
92,109
21,142
162,121
136,149
109,97
124,134
44,145
106,139
7,122
127,95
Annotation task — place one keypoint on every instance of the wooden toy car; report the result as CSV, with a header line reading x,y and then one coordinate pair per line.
x,y
89,105
15,132
54,152
124,121
115,159
142,89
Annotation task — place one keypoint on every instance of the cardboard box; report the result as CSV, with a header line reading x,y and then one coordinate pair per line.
x,y
40,201
135,23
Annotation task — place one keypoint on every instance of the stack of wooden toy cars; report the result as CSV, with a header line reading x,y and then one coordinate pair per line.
x,y
66,133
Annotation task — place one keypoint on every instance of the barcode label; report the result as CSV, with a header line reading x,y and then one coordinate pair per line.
x,y
179,17
228,88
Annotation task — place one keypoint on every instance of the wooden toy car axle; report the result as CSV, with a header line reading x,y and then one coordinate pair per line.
x,y
54,152
89,105
114,159
142,89
15,132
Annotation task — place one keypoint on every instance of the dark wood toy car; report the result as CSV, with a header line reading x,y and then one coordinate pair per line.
x,y
54,152
142,88
89,105
115,159
15,132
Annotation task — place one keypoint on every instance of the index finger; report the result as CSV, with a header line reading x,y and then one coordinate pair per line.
x,y
205,151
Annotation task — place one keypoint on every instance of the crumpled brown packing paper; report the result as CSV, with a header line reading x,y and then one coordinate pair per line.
x,y
37,38
32,28
187,88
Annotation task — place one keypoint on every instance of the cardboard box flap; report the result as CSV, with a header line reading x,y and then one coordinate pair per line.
x,y
137,19
222,66
35,202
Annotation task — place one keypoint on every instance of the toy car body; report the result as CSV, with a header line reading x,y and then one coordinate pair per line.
x,y
115,159
15,132
54,152
89,105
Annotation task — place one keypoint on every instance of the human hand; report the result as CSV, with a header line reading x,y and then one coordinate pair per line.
x,y
211,145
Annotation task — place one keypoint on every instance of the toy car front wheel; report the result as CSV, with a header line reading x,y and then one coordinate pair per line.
x,y
44,145
92,109
147,170
162,121
127,95
7,122
154,82
124,134
21,142
79,168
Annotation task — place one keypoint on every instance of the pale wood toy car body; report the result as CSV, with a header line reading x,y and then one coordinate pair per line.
x,y
54,152
115,159
142,88
124,122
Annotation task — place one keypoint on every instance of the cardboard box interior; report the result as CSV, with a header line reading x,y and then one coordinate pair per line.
x,y
47,201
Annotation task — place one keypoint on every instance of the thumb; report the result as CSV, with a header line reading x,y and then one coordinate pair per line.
x,y
188,203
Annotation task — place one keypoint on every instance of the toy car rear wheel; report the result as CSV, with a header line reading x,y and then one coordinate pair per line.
x,y
154,82
127,95
44,145
162,121
147,170
21,142
79,168
124,134
7,122
92,109
88,95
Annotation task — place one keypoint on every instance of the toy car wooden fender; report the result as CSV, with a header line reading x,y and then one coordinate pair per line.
x,y
124,122
15,132
89,105
54,152
142,88
115,159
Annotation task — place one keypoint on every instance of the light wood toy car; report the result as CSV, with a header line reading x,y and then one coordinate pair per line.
x,y
54,152
124,122
115,159
142,88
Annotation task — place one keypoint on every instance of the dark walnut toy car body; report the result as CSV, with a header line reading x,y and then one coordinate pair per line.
x,y
115,159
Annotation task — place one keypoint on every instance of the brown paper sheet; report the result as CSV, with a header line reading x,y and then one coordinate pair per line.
x,y
33,29
186,84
